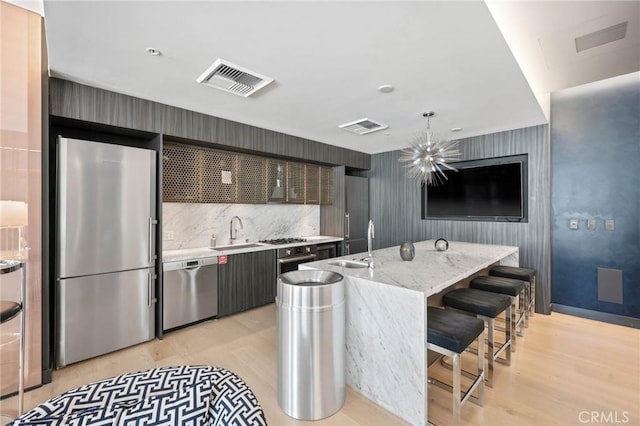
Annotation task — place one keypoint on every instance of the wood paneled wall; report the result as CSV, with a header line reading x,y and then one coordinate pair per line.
x,y
77,101
394,203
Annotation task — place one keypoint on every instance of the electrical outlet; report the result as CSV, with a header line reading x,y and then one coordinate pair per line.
x,y
167,235
609,224
573,224
591,224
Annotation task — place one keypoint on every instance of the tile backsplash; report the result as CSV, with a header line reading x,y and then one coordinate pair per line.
x,y
191,225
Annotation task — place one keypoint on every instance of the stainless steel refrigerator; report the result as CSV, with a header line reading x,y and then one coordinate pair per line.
x,y
356,214
105,254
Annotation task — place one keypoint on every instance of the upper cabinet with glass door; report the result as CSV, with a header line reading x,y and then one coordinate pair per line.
x,y
193,174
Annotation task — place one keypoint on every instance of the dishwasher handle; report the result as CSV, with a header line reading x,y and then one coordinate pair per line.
x,y
190,264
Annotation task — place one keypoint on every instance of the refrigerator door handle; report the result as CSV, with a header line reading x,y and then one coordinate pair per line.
x,y
348,225
151,254
150,293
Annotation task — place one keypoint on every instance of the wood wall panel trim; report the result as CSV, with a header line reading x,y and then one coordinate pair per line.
x,y
86,103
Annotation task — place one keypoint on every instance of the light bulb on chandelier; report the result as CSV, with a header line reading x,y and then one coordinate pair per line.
x,y
428,156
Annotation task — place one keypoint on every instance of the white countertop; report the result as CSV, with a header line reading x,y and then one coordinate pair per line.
x,y
200,252
429,272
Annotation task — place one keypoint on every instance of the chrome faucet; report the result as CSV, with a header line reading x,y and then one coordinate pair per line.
x,y
370,237
231,237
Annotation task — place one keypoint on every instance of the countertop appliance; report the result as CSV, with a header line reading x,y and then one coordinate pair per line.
x,y
190,291
356,214
105,248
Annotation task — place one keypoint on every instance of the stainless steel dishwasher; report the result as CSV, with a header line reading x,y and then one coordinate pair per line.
x,y
190,291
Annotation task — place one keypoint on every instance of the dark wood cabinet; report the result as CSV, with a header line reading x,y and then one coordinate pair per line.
x,y
246,281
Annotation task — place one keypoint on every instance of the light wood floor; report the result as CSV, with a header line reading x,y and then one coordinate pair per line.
x,y
564,369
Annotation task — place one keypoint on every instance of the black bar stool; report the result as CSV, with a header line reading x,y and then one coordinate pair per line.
x,y
527,275
450,333
486,306
512,288
9,310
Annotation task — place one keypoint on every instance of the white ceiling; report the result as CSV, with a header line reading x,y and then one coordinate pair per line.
x,y
328,58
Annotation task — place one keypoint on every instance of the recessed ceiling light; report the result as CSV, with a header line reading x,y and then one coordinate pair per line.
x,y
385,88
153,52
456,129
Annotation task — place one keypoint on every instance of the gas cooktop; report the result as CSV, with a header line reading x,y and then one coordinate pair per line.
x,y
284,241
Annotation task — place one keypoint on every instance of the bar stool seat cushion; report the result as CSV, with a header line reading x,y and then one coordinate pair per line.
x,y
501,285
452,330
517,273
8,310
477,301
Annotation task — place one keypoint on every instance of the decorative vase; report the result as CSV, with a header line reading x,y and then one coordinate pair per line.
x,y
407,251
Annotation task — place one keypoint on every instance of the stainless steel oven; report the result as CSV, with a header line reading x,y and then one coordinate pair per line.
x,y
289,258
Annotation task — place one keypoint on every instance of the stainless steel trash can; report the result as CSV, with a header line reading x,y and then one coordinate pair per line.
x,y
311,343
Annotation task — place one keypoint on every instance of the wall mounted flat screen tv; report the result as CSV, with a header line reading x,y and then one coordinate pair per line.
x,y
490,189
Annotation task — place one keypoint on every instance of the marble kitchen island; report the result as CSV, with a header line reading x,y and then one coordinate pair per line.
x,y
386,359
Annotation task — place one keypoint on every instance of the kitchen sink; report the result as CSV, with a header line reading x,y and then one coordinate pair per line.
x,y
237,246
349,263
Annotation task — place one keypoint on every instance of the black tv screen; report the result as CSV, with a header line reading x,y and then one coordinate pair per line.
x,y
492,189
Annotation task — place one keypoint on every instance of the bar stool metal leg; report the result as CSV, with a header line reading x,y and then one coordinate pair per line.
x,y
527,290
532,296
492,353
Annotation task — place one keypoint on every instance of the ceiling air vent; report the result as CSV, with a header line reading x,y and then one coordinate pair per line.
x,y
232,78
604,36
363,126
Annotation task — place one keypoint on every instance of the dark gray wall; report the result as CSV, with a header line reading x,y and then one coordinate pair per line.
x,y
595,154
86,103
395,204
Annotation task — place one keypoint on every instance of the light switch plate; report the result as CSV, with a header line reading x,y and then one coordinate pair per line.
x,y
167,235
609,224
573,224
591,224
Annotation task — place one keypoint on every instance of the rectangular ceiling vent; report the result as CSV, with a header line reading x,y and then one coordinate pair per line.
x,y
363,126
600,37
232,78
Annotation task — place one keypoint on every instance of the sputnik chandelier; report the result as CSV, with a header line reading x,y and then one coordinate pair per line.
x,y
427,156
